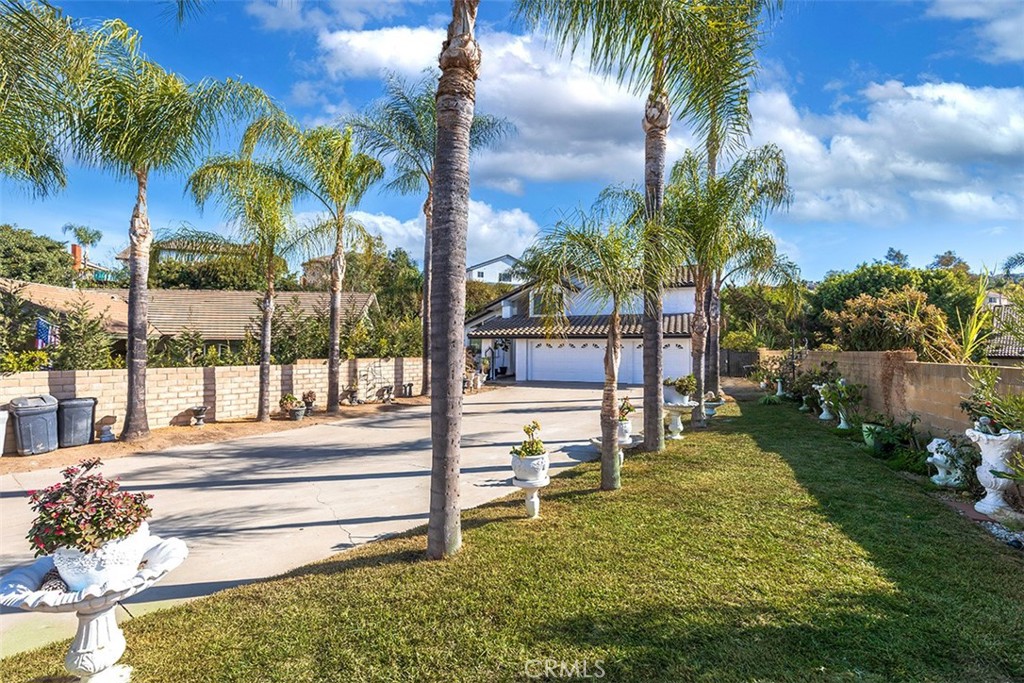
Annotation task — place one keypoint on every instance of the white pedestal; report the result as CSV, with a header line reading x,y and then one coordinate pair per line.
x,y
532,491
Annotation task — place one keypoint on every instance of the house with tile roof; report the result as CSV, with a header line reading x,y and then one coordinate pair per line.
x,y
220,316
521,341
495,270
1004,348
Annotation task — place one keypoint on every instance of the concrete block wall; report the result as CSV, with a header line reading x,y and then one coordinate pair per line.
x,y
231,392
898,385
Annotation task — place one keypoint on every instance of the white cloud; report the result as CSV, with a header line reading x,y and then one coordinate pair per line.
x,y
999,25
294,15
938,149
492,232
572,124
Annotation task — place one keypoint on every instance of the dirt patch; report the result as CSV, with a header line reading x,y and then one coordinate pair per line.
x,y
172,437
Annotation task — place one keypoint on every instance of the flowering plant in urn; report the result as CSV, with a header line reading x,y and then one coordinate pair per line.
x,y
95,532
530,458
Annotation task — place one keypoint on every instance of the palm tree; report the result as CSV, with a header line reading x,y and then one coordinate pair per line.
x,y
84,235
456,93
257,199
322,163
718,219
1014,262
44,58
402,127
668,49
136,119
604,259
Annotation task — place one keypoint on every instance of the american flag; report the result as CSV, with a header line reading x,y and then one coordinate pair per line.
x,y
46,334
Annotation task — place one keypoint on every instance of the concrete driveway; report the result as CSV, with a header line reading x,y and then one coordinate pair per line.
x,y
257,507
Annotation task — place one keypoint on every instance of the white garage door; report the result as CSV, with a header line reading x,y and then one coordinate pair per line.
x,y
565,361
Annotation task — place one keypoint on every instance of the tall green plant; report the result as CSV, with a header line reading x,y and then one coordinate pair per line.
x,y
84,342
257,200
976,328
595,259
322,163
401,127
685,55
138,119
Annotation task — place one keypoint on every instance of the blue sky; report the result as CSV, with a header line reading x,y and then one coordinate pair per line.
x,y
902,122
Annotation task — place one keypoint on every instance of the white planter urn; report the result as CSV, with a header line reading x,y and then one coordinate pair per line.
x,y
843,424
533,468
779,391
995,455
671,395
625,431
113,563
825,413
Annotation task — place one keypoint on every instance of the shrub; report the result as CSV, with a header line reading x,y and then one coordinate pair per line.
x,y
531,446
686,385
289,402
625,409
84,511
739,340
1005,409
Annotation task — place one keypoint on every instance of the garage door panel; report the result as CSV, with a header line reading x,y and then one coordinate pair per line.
x,y
577,361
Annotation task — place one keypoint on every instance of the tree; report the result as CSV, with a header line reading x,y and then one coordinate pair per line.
x,y
27,256
84,235
948,260
896,320
1014,262
678,53
479,294
44,58
322,163
604,259
216,272
758,184
16,328
402,128
456,95
84,342
257,199
136,119
895,257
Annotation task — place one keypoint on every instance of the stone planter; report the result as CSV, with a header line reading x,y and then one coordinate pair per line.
x,y
625,430
113,563
534,468
804,406
297,413
779,392
199,413
309,407
995,455
671,395
872,433
843,423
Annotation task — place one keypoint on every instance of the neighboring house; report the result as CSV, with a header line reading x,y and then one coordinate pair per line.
x,y
516,336
995,299
497,270
1004,349
220,316
88,270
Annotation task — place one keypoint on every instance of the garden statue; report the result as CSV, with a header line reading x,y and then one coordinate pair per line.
x,y
944,458
996,452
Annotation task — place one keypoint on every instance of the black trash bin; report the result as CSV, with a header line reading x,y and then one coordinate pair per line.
x,y
75,419
35,424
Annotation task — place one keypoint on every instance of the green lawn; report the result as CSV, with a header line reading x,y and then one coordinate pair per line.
x,y
766,549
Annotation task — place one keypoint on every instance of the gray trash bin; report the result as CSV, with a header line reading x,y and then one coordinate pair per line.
x,y
75,419
35,424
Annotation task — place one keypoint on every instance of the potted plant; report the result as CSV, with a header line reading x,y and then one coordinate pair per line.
x,y
999,434
292,406
530,458
309,400
685,386
670,393
872,433
625,426
841,396
96,533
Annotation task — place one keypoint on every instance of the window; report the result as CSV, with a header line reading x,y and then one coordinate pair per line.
x,y
505,277
538,307
480,273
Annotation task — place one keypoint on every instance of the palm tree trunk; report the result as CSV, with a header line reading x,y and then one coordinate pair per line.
x,y
136,422
263,413
698,329
428,216
456,93
657,119
714,379
334,342
610,467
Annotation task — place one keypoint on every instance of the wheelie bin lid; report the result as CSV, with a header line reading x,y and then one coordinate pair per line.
x,y
27,405
80,401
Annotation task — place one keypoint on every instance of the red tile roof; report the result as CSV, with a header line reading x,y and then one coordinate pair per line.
x,y
576,326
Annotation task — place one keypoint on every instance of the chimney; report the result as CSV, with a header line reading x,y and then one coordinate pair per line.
x,y
76,257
